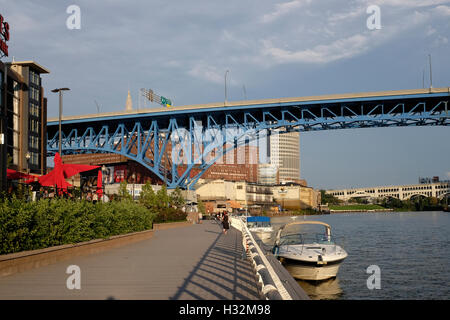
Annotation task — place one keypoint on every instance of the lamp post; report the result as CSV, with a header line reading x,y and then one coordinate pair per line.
x,y
133,176
28,157
60,90
104,179
226,72
431,75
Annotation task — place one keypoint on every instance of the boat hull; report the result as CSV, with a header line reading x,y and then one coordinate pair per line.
x,y
262,235
309,271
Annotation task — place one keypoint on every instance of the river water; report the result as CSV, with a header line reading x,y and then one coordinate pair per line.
x,y
411,249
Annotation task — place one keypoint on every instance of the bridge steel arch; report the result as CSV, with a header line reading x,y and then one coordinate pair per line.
x,y
445,195
416,195
201,134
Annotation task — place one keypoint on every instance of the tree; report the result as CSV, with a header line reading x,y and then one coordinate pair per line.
x,y
162,198
201,207
123,192
328,198
148,196
176,199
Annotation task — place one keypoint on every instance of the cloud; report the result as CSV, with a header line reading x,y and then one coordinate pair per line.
x,y
282,9
348,46
339,49
442,10
345,16
208,73
408,4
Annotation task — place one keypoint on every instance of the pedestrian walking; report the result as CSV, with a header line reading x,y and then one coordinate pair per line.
x,y
225,223
200,217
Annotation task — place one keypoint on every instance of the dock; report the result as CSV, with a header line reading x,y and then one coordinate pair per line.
x,y
195,262
191,262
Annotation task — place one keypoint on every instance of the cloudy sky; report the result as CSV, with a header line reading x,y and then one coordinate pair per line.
x,y
272,49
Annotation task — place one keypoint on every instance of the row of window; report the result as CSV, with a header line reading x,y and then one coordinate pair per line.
x,y
33,142
34,78
34,109
34,93
34,126
34,159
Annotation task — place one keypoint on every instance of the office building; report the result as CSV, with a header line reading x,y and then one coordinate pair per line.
x,y
24,111
283,150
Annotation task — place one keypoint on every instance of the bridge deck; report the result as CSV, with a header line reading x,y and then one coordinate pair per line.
x,y
195,262
323,99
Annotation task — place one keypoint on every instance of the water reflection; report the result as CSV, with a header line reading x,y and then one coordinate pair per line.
x,y
322,290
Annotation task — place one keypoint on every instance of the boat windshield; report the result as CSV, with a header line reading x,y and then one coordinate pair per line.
x,y
301,238
304,234
258,224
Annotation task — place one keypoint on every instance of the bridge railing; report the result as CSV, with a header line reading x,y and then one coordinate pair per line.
x,y
270,284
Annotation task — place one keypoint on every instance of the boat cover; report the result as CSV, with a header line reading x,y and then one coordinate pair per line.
x,y
258,219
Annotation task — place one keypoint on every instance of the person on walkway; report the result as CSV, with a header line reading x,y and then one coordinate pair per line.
x,y
225,223
200,217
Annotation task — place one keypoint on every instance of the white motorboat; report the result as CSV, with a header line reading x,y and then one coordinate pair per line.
x,y
260,226
306,253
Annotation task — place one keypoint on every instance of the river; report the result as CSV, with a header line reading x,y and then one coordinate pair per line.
x,y
411,249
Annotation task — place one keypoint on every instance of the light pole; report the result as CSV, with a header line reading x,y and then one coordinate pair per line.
x,y
133,176
60,90
431,75
104,179
28,156
226,72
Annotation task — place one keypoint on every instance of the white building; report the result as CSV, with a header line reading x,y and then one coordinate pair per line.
x,y
284,153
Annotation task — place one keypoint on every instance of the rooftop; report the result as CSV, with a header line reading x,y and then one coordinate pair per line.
x,y
34,65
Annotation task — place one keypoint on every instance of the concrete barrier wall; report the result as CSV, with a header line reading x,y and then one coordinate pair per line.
x,y
170,225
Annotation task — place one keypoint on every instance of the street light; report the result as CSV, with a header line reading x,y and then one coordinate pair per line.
x,y
226,72
133,176
28,157
60,90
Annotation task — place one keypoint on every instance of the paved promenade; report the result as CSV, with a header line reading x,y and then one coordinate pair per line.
x,y
194,262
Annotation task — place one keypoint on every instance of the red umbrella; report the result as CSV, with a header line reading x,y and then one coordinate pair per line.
x,y
15,175
99,184
57,177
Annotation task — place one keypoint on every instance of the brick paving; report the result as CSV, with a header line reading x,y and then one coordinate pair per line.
x,y
196,262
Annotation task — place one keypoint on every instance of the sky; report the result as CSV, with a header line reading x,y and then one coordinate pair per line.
x,y
272,49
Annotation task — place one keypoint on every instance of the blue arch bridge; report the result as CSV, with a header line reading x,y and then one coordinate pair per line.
x,y
179,144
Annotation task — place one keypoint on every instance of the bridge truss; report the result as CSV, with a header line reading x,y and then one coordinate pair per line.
x,y
180,144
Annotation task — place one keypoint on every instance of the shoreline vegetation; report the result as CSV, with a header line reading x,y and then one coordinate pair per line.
x,y
30,225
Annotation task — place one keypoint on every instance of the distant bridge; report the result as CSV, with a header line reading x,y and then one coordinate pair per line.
x,y
401,192
198,135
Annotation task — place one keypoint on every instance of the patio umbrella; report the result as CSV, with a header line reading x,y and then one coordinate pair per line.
x,y
99,184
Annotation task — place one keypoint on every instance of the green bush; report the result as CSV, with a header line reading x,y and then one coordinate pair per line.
x,y
46,223
170,215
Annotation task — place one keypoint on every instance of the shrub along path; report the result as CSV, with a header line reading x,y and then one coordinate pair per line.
x,y
195,262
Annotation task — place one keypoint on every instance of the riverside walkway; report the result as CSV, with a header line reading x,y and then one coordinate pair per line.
x,y
195,262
